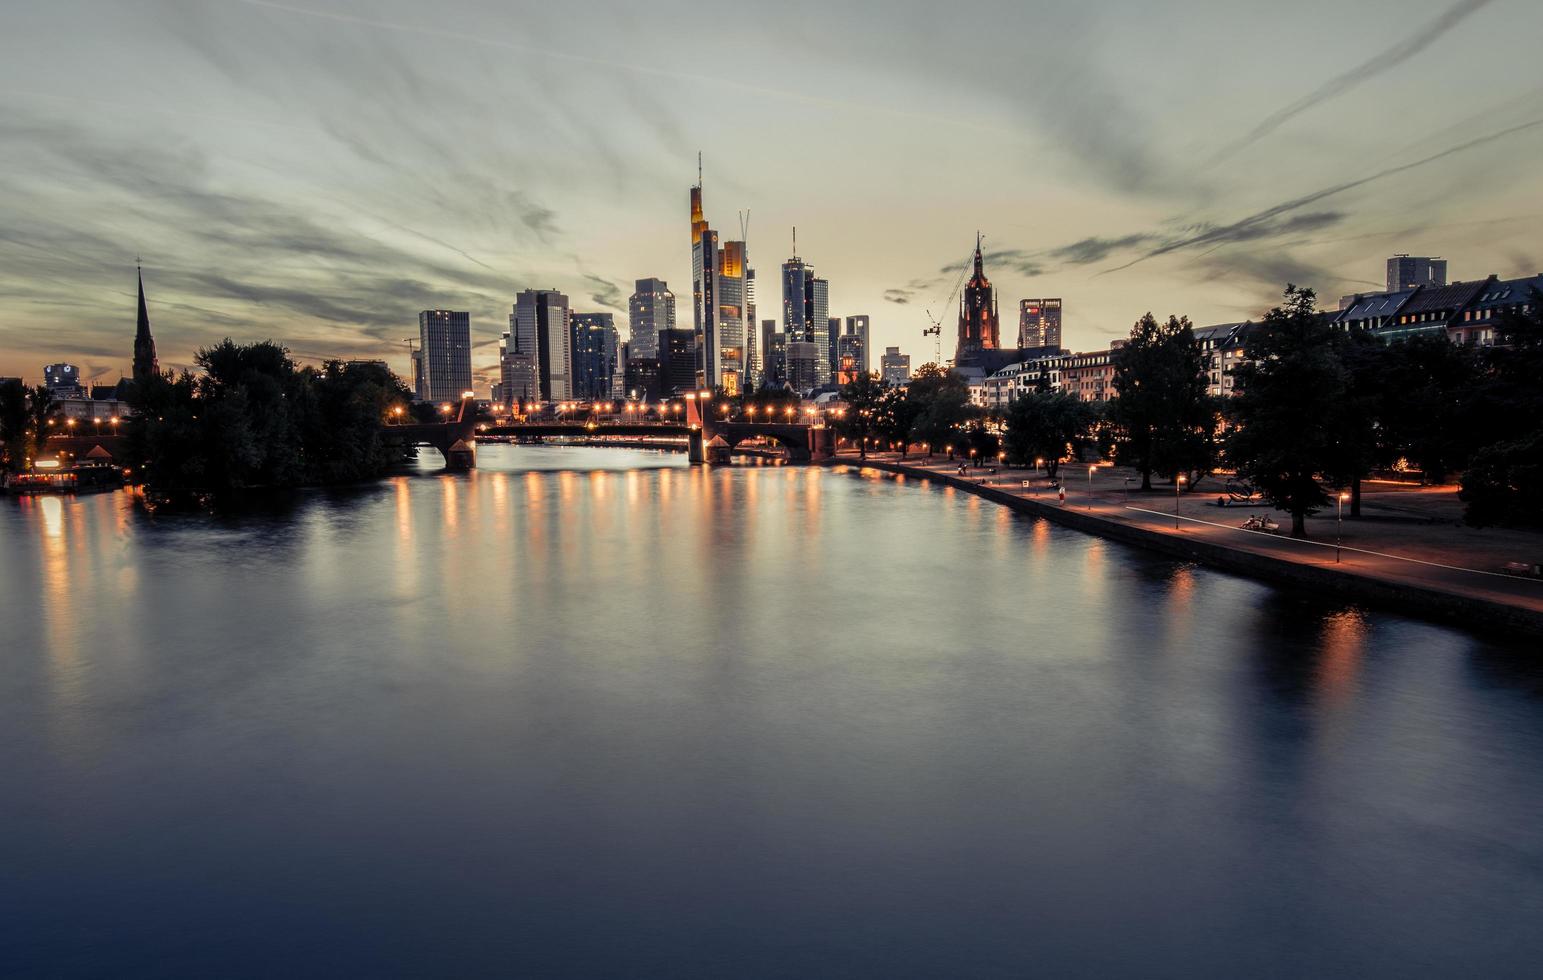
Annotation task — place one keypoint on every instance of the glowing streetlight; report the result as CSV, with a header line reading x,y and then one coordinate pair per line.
x,y
1178,483
1090,486
1339,526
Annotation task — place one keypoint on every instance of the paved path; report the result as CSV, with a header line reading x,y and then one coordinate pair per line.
x,y
1399,549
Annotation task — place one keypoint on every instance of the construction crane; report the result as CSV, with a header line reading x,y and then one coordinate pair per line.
x,y
936,328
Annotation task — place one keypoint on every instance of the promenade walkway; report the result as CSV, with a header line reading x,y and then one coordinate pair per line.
x,y
1408,536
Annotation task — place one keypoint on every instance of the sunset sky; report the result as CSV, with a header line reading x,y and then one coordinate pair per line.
x,y
318,171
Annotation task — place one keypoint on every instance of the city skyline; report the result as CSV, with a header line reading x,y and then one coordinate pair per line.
x,y
319,182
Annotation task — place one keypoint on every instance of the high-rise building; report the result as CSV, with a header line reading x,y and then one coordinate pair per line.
x,y
752,342
62,379
857,326
594,347
145,362
774,355
1039,323
720,274
895,367
1409,271
420,380
819,313
803,366
650,310
677,362
978,327
444,343
806,314
641,379
540,326
517,381
849,358
833,344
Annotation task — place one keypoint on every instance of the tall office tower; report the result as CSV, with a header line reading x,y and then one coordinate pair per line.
x,y
145,362
833,343
977,312
773,355
420,380
752,341
650,310
540,325
857,326
733,274
444,340
1039,323
677,362
517,382
594,346
641,380
819,312
1409,271
849,358
795,299
895,367
803,366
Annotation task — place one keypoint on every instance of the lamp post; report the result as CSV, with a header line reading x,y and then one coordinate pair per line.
x,y
1178,484
1090,485
1127,493
1339,527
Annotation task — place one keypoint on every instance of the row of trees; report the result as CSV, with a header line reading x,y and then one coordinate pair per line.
x,y
252,418
26,418
1315,408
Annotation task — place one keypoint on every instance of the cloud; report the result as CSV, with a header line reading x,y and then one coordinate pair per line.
x,y
1264,223
1091,250
607,294
898,296
1383,61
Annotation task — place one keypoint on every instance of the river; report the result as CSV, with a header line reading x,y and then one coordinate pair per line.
x,y
593,713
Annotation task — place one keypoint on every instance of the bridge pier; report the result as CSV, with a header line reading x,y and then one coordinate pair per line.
x,y
696,447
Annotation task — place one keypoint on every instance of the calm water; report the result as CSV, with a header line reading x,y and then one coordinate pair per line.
x,y
593,713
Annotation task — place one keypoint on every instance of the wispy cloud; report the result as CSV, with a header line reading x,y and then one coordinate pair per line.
x,y
1383,61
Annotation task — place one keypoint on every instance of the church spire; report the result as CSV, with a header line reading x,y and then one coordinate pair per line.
x,y
145,363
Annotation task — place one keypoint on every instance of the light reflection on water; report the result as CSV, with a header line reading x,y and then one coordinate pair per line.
x,y
594,713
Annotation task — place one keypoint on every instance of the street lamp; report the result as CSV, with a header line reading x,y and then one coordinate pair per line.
x,y
1178,484
1339,527
1090,486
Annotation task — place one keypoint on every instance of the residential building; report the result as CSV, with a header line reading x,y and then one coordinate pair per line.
x,y
1089,376
1409,271
444,343
650,310
1222,347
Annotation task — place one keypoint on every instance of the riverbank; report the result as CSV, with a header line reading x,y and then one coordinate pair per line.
x,y
1425,580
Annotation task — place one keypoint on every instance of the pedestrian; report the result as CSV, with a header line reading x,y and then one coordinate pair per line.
x,y
1061,493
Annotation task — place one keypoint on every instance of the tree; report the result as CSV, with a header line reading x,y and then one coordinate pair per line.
x,y
1050,427
1504,482
1289,395
864,397
13,425
942,405
897,417
1163,415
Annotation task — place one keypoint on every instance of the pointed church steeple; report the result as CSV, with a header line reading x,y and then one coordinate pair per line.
x,y
145,362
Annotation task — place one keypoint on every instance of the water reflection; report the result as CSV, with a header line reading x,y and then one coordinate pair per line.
x,y
585,709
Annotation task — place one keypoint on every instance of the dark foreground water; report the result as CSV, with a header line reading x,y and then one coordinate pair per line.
x,y
591,713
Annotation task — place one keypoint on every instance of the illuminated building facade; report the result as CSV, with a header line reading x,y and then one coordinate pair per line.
x,y
895,367
540,325
721,295
1039,323
596,351
978,325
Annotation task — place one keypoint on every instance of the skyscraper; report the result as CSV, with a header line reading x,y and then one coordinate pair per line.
x,y
774,355
677,362
719,277
145,362
857,326
849,358
833,344
795,299
444,343
1409,271
540,328
978,329
650,310
803,366
1039,323
819,313
517,382
595,350
895,367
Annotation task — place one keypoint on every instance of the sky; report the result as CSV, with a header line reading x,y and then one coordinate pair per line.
x,y
317,171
